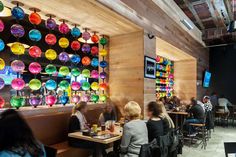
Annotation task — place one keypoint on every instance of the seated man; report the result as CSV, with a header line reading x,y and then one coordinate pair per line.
x,y
222,101
197,115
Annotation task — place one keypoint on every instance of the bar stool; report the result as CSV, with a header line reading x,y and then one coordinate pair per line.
x,y
222,115
202,130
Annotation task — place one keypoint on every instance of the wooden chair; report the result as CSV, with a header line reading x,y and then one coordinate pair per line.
x,y
230,148
201,131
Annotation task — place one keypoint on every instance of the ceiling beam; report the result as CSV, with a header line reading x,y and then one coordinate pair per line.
x,y
214,13
191,8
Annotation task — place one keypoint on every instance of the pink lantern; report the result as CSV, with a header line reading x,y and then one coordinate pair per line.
x,y
2,102
18,84
75,85
51,100
35,68
94,74
85,98
64,28
75,99
35,52
50,39
17,66
1,26
86,35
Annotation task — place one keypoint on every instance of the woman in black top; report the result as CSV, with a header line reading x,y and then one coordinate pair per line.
x,y
155,123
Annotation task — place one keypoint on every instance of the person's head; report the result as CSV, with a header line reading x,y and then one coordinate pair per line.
x,y
193,101
16,134
213,93
108,108
153,109
206,99
132,110
82,107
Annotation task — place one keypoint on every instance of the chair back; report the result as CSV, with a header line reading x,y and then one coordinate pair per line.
x,y
50,152
230,148
220,108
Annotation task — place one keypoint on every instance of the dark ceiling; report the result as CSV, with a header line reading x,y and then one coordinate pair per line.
x,y
212,17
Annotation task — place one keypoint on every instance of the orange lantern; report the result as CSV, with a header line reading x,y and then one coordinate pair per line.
x,y
86,61
35,18
103,86
95,38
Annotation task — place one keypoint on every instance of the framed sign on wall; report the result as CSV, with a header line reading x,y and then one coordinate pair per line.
x,y
149,67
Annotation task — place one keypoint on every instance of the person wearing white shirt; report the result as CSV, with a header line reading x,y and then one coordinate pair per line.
x,y
201,104
222,101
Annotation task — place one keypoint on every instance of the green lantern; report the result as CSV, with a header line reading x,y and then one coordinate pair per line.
x,y
75,72
85,86
35,84
103,97
63,84
94,98
1,6
64,70
17,102
86,73
103,41
50,69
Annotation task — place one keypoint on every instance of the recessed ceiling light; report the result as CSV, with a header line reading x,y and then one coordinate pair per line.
x,y
6,12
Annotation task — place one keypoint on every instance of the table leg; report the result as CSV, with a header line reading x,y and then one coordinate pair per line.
x,y
176,121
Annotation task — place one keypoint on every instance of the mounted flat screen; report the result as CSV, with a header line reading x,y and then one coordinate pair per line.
x,y
207,79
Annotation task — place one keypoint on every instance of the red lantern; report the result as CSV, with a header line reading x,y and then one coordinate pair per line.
x,y
103,86
35,18
50,39
86,61
75,45
35,52
95,38
2,102
94,50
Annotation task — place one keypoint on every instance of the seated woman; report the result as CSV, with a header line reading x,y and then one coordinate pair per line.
x,y
135,131
16,137
108,115
155,123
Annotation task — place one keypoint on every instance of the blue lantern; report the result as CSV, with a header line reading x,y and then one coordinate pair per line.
x,y
94,62
35,35
103,64
51,85
64,99
75,59
18,13
75,32
2,45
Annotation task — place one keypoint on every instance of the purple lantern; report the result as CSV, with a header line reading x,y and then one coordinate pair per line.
x,y
50,24
35,101
64,57
103,75
86,35
17,30
86,48
94,74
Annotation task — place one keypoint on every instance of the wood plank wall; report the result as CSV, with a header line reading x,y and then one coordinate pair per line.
x,y
185,72
126,69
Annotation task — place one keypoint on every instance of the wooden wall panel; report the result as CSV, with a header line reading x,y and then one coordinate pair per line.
x,y
185,77
126,69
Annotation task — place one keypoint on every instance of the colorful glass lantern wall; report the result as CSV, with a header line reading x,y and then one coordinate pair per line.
x,y
165,77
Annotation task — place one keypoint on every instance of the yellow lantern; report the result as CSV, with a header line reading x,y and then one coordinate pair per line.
x,y
17,48
51,54
2,64
94,86
63,42
103,52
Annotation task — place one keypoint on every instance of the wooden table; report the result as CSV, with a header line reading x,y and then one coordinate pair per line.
x,y
99,142
181,114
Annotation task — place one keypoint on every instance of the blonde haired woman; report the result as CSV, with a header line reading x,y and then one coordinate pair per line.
x,y
135,131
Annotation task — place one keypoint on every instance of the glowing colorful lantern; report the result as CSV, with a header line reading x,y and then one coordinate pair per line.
x,y
18,66
103,64
35,52
94,74
35,101
85,86
75,85
63,85
86,48
17,102
75,45
63,42
94,86
18,13
94,98
75,59
64,70
50,69
75,32
17,48
86,35
95,38
35,18
63,99
94,62
103,41
94,50
1,9
75,99
86,61
75,72
35,35
2,102
51,54
103,97
50,39
2,64
17,30
86,73
2,84
18,83
51,85
103,75
35,84
64,28
1,26
103,86
35,68
2,45
50,24
103,53
64,57
51,100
